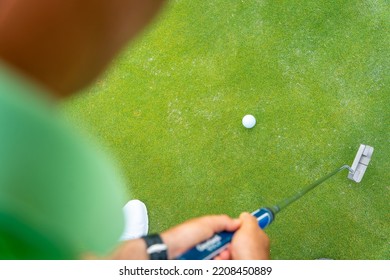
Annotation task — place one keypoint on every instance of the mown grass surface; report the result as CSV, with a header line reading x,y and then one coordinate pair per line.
x,y
315,74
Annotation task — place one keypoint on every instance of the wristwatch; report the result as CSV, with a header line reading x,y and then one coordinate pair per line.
x,y
155,247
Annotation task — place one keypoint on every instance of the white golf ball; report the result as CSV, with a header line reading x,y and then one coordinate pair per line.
x,y
248,121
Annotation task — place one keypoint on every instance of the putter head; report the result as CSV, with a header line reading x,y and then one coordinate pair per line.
x,y
360,163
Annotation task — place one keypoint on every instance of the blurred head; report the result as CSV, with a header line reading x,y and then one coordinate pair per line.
x,y
65,44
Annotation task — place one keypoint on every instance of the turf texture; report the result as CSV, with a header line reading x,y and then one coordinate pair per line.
x,y
315,74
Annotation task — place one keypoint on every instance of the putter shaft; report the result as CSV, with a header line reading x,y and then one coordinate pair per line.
x,y
281,205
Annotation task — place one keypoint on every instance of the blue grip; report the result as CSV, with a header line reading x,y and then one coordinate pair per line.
x,y
218,242
264,217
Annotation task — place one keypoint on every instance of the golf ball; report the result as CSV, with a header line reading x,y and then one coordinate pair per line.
x,y
248,121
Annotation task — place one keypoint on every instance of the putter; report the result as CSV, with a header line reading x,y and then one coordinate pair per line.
x,y
265,215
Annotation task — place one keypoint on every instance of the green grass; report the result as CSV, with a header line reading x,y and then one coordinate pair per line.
x,y
315,74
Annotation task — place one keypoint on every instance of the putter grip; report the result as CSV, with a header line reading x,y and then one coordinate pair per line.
x,y
218,242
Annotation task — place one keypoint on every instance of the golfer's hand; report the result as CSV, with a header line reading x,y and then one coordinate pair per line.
x,y
248,243
181,238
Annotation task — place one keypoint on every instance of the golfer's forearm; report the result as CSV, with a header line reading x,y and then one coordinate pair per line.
x,y
130,250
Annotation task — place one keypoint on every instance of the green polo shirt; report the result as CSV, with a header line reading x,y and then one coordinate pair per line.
x,y
60,196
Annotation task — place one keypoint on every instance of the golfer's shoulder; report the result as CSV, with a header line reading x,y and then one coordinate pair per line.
x,y
52,176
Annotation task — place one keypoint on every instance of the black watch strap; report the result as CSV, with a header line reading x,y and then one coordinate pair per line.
x,y
155,247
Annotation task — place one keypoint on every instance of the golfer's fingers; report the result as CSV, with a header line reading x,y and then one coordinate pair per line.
x,y
217,223
248,220
249,241
250,224
184,236
224,255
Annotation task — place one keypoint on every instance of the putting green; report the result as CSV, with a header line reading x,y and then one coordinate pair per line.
x,y
315,74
